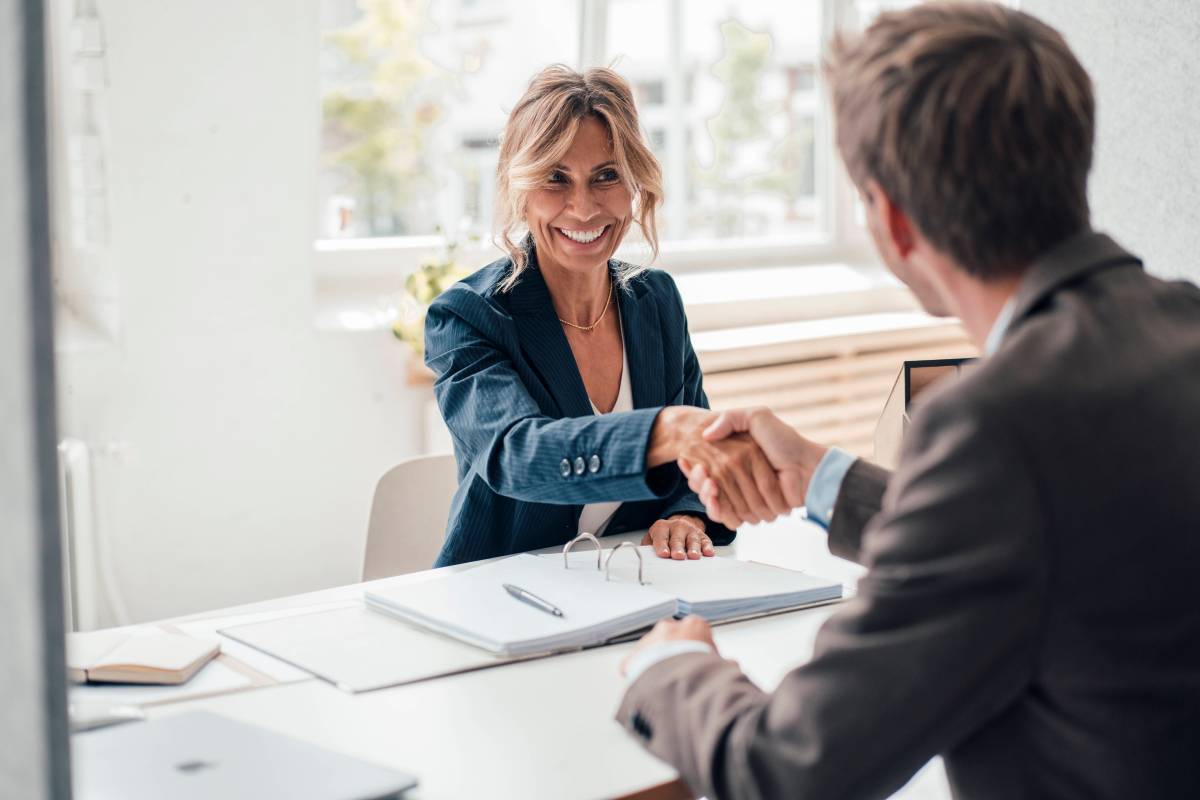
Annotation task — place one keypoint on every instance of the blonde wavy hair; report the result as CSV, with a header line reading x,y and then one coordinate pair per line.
x,y
538,134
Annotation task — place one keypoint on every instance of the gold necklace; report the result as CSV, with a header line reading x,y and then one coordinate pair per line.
x,y
592,327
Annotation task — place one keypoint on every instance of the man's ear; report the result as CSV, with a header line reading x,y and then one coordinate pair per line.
x,y
893,222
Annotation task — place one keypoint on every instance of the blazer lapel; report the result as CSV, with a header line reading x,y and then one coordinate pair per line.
x,y
643,345
545,345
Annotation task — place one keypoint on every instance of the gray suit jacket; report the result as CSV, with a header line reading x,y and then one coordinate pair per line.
x,y
1031,609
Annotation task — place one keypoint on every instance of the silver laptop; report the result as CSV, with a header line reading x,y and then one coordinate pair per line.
x,y
202,755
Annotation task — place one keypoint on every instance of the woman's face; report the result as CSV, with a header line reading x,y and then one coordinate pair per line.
x,y
582,212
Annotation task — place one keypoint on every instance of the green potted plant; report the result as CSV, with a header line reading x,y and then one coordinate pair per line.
x,y
436,274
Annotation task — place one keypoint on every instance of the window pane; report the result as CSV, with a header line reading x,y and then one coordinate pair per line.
x,y
729,100
414,95
868,10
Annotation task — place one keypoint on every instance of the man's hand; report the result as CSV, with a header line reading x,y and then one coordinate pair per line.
x,y
691,628
792,456
680,537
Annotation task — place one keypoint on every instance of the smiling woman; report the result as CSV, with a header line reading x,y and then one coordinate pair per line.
x,y
548,166
554,364
581,212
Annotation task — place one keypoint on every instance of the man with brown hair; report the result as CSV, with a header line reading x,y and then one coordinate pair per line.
x,y
1029,609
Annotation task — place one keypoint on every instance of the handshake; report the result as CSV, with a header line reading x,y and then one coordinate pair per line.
x,y
745,465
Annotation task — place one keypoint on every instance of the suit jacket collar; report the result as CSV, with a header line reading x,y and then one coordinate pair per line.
x,y
542,338
1070,260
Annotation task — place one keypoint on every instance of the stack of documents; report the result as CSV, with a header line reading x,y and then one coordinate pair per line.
x,y
474,607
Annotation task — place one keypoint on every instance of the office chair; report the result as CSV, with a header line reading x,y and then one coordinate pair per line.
x,y
408,516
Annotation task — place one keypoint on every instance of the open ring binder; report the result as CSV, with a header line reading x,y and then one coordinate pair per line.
x,y
596,609
587,537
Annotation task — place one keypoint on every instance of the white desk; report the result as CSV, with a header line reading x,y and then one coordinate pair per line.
x,y
537,729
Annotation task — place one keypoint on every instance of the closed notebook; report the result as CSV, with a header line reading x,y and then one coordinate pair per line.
x,y
116,657
597,606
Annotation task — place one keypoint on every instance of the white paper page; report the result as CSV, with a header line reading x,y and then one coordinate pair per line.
x,y
701,580
359,650
475,601
213,678
85,649
164,651
273,668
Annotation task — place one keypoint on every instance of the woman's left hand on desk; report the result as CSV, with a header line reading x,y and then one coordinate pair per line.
x,y
679,537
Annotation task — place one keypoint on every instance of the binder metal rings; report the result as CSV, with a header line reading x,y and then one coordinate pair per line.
x,y
585,536
613,552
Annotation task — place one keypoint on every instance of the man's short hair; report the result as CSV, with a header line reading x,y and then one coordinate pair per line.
x,y
976,120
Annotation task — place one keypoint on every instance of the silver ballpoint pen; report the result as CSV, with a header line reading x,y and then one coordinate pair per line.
x,y
533,600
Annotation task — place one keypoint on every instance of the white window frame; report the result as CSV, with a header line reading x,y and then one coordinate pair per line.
x,y
348,266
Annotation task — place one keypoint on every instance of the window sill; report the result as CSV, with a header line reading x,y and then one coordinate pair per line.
x,y
360,260
358,281
755,297
714,300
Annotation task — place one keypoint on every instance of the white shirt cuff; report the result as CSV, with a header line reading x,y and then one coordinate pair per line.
x,y
661,652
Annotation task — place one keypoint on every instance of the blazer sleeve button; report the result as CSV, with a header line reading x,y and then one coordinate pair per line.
x,y
594,464
579,465
564,468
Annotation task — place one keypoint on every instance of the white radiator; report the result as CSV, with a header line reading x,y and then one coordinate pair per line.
x,y
88,582
827,378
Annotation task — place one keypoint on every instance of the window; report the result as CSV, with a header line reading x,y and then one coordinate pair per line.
x,y
414,95
416,92
728,95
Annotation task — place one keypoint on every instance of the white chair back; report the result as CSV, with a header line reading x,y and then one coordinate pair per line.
x,y
408,516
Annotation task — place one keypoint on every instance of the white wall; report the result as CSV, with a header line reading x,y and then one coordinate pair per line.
x,y
251,440
1146,184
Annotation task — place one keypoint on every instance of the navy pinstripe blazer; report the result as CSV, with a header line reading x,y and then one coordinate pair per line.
x,y
530,450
